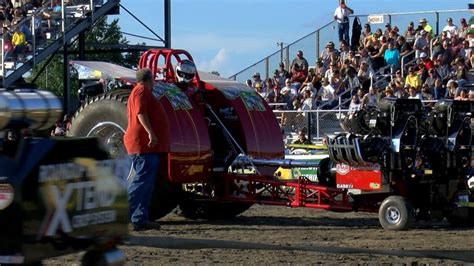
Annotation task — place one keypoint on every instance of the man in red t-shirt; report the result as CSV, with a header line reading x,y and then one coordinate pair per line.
x,y
141,143
426,61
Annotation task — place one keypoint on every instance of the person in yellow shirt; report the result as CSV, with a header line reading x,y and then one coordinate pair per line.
x,y
413,79
427,27
19,43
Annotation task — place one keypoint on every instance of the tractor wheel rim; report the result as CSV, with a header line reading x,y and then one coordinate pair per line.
x,y
392,215
110,134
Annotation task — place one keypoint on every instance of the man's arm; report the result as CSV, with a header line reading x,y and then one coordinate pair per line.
x,y
145,121
364,100
305,65
351,11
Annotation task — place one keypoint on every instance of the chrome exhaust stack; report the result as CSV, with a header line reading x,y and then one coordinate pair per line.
x,y
29,108
345,148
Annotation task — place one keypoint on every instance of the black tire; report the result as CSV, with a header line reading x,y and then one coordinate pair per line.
x,y
325,176
165,198
210,210
112,107
93,258
461,217
105,107
396,213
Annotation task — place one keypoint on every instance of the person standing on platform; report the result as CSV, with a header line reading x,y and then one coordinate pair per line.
x,y
341,15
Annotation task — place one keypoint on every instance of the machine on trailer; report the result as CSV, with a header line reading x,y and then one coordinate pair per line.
x,y
415,160
222,145
57,195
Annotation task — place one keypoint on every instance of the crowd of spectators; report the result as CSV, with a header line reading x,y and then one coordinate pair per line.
x,y
414,64
17,28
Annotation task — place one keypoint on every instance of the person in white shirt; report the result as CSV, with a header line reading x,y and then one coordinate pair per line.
x,y
370,99
307,102
290,88
327,94
328,74
413,94
341,15
354,106
450,28
351,81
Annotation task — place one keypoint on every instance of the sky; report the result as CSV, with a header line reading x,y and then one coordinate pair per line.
x,y
230,35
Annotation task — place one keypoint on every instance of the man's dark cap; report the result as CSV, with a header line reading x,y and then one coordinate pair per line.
x,y
144,75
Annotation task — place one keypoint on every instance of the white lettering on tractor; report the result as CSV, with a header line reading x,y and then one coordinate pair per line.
x,y
64,171
87,198
344,186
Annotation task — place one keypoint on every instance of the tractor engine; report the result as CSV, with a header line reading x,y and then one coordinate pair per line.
x,y
384,136
401,147
446,140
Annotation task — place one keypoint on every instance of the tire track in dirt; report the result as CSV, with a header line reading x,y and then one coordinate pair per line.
x,y
189,243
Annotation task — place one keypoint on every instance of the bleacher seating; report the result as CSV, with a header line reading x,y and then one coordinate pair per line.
x,y
453,66
42,29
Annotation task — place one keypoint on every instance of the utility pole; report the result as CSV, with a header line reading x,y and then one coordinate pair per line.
x,y
167,23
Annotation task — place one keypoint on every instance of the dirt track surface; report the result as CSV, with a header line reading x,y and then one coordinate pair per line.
x,y
280,235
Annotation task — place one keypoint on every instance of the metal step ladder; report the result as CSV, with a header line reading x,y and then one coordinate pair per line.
x,y
43,52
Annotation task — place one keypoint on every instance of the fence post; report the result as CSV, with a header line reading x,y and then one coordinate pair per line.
x,y
318,45
92,9
33,34
309,124
3,62
317,124
340,101
63,21
267,67
437,23
280,44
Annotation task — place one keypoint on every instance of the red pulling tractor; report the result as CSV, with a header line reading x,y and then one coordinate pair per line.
x,y
223,146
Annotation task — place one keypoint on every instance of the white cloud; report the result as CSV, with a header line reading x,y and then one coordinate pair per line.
x,y
219,59
218,62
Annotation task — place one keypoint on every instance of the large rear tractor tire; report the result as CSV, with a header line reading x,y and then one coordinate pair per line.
x,y
105,117
396,213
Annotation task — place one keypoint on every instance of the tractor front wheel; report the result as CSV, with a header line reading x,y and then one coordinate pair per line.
x,y
396,213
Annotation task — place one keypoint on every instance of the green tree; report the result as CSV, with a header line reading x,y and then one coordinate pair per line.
x,y
102,33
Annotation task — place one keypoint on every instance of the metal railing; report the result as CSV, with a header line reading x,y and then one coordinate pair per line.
x,y
404,63
312,43
317,123
44,25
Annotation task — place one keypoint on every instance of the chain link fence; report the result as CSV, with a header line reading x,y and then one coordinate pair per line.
x,y
317,123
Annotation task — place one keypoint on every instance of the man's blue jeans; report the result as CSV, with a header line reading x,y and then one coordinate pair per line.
x,y
141,188
343,30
